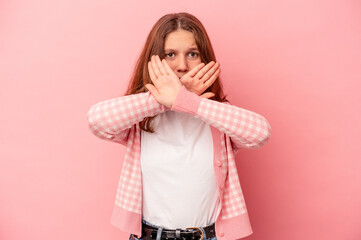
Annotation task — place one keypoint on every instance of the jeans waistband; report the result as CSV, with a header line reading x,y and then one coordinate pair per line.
x,y
203,229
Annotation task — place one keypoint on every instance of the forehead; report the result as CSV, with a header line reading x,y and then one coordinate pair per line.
x,y
180,39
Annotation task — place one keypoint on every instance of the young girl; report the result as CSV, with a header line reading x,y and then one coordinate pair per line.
x,y
179,178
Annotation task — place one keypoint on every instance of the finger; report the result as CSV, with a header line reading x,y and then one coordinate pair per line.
x,y
210,72
167,67
211,80
151,73
207,95
155,67
160,65
197,68
204,70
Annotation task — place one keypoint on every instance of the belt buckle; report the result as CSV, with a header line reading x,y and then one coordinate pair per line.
x,y
197,229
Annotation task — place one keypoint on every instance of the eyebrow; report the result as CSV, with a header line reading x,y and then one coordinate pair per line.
x,y
173,50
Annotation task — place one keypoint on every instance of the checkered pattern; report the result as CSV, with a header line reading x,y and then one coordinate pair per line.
x,y
117,120
242,129
245,128
112,119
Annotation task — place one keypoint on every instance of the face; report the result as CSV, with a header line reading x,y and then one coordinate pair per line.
x,y
181,52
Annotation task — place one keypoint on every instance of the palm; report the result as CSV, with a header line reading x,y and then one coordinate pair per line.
x,y
192,84
168,87
166,83
200,78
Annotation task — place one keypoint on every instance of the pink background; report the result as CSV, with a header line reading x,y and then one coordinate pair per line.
x,y
298,63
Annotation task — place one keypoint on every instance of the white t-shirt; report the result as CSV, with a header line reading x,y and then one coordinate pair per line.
x,y
179,183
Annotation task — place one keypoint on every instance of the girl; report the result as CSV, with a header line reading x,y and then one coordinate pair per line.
x,y
179,178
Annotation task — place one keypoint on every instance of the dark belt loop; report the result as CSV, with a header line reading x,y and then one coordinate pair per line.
x,y
150,232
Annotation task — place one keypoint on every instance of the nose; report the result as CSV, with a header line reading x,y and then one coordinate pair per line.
x,y
182,64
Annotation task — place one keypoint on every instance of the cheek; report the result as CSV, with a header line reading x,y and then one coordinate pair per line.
x,y
194,64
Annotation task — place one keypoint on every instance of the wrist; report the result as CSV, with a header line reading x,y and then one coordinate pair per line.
x,y
186,101
170,105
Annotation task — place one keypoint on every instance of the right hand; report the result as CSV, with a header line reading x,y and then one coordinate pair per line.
x,y
166,82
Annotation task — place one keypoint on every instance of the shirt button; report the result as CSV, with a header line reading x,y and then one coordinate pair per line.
x,y
219,163
221,234
222,187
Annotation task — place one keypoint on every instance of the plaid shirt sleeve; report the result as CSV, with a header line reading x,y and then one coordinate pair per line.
x,y
245,128
112,119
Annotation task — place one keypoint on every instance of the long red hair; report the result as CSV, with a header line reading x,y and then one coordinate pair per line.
x,y
154,45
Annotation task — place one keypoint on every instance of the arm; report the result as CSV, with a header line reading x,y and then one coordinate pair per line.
x,y
246,129
112,119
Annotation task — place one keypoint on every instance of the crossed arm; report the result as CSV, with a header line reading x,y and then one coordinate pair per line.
x,y
112,119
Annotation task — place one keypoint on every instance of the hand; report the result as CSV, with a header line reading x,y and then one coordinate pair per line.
x,y
200,78
166,82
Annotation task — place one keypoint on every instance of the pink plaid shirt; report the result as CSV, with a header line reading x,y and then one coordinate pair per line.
x,y
232,128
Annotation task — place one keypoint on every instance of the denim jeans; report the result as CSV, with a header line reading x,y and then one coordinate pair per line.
x,y
132,237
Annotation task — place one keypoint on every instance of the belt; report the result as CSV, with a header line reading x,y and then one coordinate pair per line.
x,y
149,233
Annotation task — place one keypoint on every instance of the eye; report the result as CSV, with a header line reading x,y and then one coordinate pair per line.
x,y
191,54
194,54
167,54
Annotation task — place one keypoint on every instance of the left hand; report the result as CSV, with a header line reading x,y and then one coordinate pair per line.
x,y
200,78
